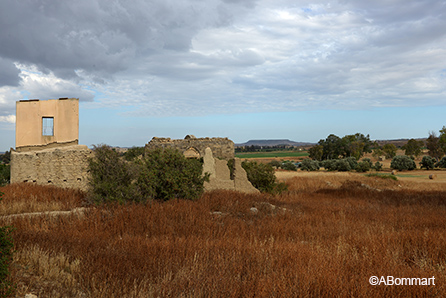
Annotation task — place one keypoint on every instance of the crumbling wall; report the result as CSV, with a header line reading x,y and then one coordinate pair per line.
x,y
62,167
222,148
220,176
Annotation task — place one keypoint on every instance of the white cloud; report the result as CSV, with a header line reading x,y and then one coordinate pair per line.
x,y
171,58
8,119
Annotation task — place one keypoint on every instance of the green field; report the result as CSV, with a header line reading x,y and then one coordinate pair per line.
x,y
272,154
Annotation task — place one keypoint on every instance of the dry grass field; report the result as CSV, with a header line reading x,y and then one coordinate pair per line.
x,y
325,237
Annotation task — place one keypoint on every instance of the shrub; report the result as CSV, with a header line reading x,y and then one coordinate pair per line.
x,y
262,177
289,166
353,162
6,246
378,166
112,179
402,162
343,165
441,163
5,174
168,174
275,163
309,165
364,165
133,153
163,174
428,162
328,164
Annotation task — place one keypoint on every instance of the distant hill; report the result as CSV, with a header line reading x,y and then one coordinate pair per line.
x,y
270,143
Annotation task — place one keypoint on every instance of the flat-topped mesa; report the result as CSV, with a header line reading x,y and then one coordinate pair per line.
x,y
191,146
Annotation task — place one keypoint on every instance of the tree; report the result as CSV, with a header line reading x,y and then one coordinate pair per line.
x,y
433,145
316,152
441,163
442,140
332,147
413,147
356,145
389,150
403,162
428,162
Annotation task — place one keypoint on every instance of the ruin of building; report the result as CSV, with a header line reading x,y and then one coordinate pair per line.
x,y
225,171
191,146
46,149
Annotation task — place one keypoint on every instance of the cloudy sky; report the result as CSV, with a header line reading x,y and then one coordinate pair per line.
x,y
243,69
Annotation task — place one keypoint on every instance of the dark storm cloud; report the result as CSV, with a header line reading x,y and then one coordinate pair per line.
x,y
9,73
100,36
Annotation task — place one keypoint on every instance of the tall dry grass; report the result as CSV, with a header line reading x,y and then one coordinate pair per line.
x,y
317,240
25,197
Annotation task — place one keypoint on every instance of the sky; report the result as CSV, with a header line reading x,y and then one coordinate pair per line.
x,y
242,69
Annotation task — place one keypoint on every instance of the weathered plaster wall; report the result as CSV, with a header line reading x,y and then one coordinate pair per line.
x,y
63,167
220,177
29,114
221,147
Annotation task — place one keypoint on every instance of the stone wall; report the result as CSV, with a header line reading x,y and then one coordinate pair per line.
x,y
62,167
221,147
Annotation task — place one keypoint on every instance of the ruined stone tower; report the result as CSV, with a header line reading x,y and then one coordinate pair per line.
x,y
47,150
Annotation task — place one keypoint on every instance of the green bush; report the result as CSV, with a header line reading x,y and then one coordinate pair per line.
x,y
309,165
262,177
6,251
353,162
403,162
275,163
441,163
168,174
428,162
363,166
112,178
343,165
163,174
289,166
5,174
134,153
329,164
378,166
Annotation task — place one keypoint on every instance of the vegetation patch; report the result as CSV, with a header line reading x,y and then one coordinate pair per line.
x,y
382,176
271,154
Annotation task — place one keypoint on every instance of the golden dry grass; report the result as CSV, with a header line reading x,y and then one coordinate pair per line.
x,y
318,239
25,197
